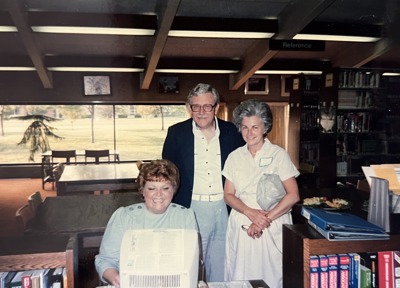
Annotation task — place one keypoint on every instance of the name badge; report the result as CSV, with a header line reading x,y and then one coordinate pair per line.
x,y
265,161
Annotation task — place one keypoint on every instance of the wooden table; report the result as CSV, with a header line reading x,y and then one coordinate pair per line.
x,y
79,213
89,178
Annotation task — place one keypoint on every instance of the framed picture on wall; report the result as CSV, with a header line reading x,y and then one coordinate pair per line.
x,y
257,84
96,85
168,84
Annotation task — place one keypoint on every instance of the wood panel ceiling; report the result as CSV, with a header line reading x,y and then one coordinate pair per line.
x,y
24,47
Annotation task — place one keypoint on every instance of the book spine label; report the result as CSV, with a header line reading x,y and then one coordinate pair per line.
x,y
333,268
314,272
344,268
323,272
26,282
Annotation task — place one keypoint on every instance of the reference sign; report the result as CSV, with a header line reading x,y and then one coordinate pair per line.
x,y
297,45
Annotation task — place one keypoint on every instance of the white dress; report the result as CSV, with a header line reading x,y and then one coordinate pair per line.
x,y
247,258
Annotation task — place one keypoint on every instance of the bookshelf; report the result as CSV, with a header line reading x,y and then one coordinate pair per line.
x,y
301,241
304,127
366,106
32,252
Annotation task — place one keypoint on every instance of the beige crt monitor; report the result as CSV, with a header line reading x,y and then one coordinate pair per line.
x,y
167,258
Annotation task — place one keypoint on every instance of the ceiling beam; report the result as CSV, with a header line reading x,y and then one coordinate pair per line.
x,y
360,54
19,16
295,17
166,14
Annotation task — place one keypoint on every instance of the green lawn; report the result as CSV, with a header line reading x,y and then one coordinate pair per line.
x,y
137,138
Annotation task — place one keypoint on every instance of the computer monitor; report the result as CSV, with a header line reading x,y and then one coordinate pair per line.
x,y
159,258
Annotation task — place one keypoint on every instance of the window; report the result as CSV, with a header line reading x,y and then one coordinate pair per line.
x,y
137,132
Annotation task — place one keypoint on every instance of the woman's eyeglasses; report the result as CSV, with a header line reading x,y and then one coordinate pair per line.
x,y
206,107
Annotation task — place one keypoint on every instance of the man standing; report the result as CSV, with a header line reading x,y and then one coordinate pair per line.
x,y
199,148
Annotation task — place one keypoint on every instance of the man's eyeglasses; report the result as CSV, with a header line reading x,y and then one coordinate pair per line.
x,y
206,107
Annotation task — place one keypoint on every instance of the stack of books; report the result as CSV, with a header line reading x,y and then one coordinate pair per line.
x,y
339,226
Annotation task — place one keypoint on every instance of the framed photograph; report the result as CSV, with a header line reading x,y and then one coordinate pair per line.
x,y
168,84
285,85
258,84
96,85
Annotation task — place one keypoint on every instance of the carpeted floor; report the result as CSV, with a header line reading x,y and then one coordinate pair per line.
x,y
14,194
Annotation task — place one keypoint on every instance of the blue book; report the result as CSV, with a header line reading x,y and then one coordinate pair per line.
x,y
339,221
354,270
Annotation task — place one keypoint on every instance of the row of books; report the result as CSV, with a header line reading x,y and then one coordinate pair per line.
x,y
359,79
353,270
341,226
40,278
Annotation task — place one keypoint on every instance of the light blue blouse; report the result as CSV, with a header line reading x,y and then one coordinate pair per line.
x,y
137,216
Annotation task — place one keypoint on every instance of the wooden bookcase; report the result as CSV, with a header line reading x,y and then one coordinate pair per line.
x,y
304,130
301,241
32,252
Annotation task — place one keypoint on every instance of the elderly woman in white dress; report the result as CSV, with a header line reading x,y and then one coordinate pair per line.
x,y
254,236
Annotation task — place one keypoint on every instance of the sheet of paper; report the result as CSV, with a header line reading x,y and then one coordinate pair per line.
x,y
368,172
390,172
155,256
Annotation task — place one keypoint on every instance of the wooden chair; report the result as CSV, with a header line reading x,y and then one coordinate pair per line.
x,y
63,156
34,201
58,157
97,154
23,216
57,171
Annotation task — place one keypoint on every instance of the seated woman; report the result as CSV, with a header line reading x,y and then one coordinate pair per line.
x,y
158,182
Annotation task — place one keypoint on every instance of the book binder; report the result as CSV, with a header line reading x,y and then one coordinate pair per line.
x,y
347,236
338,226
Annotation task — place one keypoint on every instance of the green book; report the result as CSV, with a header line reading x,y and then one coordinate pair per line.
x,y
365,277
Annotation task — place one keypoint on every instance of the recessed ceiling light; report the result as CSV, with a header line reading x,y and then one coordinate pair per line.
x,y
290,72
95,69
335,38
220,34
8,29
196,71
93,30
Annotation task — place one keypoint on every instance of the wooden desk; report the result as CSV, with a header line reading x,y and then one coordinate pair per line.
x,y
89,178
79,213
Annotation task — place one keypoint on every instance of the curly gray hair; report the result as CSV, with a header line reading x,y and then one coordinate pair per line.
x,y
250,108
